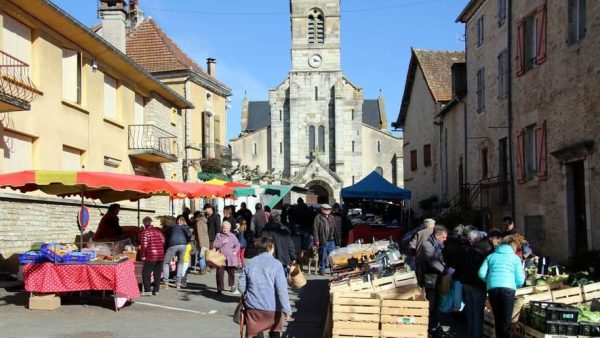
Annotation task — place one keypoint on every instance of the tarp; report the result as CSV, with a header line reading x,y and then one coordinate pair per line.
x,y
374,186
244,191
277,191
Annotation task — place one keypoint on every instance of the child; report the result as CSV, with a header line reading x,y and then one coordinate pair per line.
x,y
240,232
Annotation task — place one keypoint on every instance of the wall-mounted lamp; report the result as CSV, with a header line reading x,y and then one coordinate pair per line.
x,y
94,66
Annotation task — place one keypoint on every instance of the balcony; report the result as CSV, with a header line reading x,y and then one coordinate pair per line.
x,y
16,89
153,144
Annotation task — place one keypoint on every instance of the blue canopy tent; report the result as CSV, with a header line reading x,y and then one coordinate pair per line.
x,y
374,186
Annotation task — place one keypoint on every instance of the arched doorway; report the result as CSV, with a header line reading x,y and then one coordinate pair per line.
x,y
322,190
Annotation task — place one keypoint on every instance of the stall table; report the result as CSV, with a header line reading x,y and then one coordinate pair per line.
x,y
51,278
367,232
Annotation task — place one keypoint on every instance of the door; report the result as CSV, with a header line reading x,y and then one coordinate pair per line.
x,y
576,207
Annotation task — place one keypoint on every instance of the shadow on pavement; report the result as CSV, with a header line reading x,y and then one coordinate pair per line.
x,y
311,308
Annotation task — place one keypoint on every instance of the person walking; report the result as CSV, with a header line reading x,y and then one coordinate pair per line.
x,y
152,253
227,244
213,223
503,273
265,288
178,236
281,236
325,235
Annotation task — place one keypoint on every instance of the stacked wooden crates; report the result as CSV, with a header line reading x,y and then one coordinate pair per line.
x,y
355,314
404,318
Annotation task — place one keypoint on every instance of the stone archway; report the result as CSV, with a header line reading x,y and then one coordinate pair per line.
x,y
323,191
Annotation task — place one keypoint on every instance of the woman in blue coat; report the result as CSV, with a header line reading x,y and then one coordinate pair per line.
x,y
503,273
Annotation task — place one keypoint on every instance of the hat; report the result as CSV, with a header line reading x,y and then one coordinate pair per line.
x,y
325,206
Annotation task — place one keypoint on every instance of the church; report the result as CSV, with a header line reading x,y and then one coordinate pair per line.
x,y
317,130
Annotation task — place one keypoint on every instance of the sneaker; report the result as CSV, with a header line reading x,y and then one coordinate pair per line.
x,y
234,291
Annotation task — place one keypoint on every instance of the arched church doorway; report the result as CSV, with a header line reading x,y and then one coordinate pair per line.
x,y
322,190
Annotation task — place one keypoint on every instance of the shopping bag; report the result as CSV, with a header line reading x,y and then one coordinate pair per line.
x,y
238,313
296,277
215,259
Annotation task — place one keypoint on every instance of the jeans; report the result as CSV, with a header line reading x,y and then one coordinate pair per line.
x,y
324,251
178,250
151,268
502,301
432,296
474,304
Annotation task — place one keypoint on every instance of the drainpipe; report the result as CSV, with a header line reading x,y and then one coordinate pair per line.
x,y
464,101
185,134
509,112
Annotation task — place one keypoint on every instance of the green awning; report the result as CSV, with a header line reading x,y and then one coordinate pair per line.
x,y
277,191
243,191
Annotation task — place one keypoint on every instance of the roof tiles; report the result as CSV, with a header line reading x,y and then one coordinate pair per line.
x,y
437,69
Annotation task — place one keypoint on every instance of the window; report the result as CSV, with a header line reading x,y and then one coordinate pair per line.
x,y
353,146
217,129
16,39
503,74
17,152
208,97
254,150
413,160
110,97
173,118
311,138
480,90
480,31
501,12
316,27
71,158
427,155
534,230
280,115
378,146
320,29
281,147
530,152
352,114
577,14
322,139
484,163
316,93
111,164
138,109
531,41
71,75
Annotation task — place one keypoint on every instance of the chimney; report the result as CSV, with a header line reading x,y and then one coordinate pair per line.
x,y
113,14
211,64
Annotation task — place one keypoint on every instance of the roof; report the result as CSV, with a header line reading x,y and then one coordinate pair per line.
x,y
259,115
371,114
469,10
150,47
436,67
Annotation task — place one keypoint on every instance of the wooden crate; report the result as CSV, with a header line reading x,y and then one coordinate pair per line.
x,y
590,292
523,331
355,314
404,318
538,297
396,281
409,292
568,296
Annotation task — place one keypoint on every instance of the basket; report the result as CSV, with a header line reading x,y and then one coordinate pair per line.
x,y
215,259
296,277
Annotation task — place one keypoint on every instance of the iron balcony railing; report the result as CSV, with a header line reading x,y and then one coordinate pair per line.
x,y
14,79
152,139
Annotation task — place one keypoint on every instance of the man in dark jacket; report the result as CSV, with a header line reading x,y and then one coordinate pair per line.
x,y
431,266
213,223
474,289
245,213
325,235
177,237
258,220
281,236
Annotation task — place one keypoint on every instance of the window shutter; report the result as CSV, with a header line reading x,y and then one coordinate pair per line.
x,y
520,47
540,144
520,158
541,35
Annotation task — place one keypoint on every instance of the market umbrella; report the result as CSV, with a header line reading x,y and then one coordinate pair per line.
x,y
215,181
107,187
199,190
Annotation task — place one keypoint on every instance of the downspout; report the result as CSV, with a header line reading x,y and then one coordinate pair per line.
x,y
464,101
509,110
185,134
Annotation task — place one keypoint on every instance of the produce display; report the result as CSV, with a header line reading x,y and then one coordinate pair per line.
x,y
90,253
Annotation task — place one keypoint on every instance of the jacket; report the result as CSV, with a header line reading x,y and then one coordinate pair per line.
x,y
471,261
152,244
502,269
263,280
259,220
108,228
202,232
228,245
430,259
214,226
420,237
284,245
178,234
321,229
453,251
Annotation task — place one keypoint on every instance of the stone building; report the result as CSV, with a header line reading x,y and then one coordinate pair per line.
x,y
90,98
316,129
428,88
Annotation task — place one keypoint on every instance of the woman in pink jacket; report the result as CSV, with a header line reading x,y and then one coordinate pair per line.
x,y
227,244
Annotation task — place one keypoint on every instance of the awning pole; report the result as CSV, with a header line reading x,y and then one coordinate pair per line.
x,y
138,213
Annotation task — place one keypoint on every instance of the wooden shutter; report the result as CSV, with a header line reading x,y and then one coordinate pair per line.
x,y
540,144
520,47
520,157
541,35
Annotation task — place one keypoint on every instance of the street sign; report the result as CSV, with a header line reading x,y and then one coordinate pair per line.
x,y
83,217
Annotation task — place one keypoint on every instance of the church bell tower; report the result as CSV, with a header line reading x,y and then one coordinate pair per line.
x,y
315,35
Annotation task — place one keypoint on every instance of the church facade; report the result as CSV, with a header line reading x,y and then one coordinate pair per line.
x,y
317,130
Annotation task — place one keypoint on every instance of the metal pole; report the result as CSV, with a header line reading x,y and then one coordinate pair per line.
x,y
138,213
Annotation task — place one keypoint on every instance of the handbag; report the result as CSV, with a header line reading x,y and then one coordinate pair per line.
x,y
430,280
296,277
215,259
240,313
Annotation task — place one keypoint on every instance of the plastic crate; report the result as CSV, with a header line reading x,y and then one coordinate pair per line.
x,y
589,329
555,311
562,328
31,257
51,255
75,258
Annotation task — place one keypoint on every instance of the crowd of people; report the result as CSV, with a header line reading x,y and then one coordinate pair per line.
x,y
478,266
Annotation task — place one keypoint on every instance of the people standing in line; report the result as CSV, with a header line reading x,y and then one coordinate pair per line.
x,y
430,269
325,235
503,273
245,213
422,235
227,244
109,227
474,289
177,238
228,215
152,253
240,234
213,223
259,219
265,287
282,237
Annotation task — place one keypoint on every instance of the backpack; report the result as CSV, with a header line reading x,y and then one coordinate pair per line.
x,y
405,241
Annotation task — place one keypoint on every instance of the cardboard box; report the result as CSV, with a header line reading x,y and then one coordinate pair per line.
x,y
44,302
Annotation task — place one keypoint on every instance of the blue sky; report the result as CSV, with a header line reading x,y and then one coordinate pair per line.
x,y
251,40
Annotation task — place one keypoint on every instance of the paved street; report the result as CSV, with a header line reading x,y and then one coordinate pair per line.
x,y
194,311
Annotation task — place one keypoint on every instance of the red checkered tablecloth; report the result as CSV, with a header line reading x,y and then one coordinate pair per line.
x,y
51,278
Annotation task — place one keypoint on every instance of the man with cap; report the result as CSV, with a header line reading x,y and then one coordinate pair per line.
x,y
325,235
